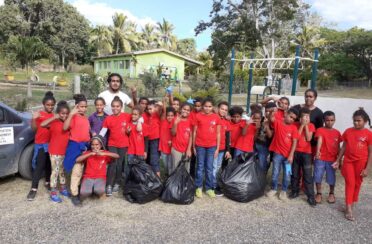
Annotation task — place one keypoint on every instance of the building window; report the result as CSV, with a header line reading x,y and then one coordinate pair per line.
x,y
127,64
109,64
116,64
100,64
121,64
105,64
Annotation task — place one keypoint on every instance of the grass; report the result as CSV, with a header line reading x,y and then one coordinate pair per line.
x,y
43,76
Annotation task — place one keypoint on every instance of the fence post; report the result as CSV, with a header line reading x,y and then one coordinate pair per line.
x,y
295,71
232,62
314,71
250,80
77,84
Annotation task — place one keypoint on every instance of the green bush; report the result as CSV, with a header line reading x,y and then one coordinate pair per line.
x,y
90,85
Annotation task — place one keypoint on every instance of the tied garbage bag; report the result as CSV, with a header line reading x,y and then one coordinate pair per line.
x,y
179,187
242,179
142,184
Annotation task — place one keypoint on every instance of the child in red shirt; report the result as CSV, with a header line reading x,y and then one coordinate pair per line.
x,y
78,126
153,154
57,149
283,146
94,179
118,143
137,132
236,126
357,153
182,137
283,105
328,145
40,159
197,106
206,143
165,142
302,158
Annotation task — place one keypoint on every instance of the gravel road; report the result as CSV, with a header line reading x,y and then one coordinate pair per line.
x,y
219,220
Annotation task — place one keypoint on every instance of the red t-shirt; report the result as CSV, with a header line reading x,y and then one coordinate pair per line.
x,y
154,126
357,142
246,142
79,128
42,135
331,139
146,117
206,135
193,116
58,138
235,132
165,136
181,140
279,114
137,139
117,124
283,138
303,145
225,127
96,166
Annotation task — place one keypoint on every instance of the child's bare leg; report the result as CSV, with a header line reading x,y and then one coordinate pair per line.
x,y
349,212
318,197
331,196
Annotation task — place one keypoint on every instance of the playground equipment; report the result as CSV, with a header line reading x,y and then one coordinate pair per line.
x,y
275,64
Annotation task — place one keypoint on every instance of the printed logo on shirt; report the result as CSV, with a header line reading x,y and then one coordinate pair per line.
x,y
123,127
212,125
361,142
187,132
288,138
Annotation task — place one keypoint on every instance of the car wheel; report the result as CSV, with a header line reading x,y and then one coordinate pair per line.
x,y
24,165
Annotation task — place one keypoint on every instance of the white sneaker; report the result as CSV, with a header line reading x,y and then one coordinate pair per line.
x,y
283,196
271,194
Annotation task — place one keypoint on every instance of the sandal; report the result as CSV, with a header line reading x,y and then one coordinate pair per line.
x,y
318,198
349,217
331,198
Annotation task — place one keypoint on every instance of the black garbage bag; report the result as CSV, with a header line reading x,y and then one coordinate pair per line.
x,y
179,187
242,179
142,184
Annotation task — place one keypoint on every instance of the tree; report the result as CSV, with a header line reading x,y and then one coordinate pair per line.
x,y
166,38
124,33
149,37
308,39
187,47
101,37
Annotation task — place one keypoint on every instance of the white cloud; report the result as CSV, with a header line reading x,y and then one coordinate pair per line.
x,y
1,2
345,12
101,13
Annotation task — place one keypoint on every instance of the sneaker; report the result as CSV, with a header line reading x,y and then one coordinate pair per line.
x,y
293,195
109,191
318,198
218,192
64,192
116,188
271,193
311,202
211,193
55,198
76,201
31,195
199,193
283,196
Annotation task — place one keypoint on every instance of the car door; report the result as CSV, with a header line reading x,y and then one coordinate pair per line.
x,y
8,133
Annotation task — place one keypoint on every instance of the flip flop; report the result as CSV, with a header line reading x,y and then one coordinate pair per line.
x,y
334,199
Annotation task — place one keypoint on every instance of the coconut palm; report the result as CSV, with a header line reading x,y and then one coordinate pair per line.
x,y
149,36
166,38
125,36
308,39
101,37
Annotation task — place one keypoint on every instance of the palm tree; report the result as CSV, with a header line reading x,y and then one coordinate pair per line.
x,y
101,37
149,36
309,39
124,33
167,39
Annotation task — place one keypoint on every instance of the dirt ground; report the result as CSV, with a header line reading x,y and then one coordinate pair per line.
x,y
217,220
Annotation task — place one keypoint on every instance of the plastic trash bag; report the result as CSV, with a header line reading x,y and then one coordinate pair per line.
x,y
179,187
142,184
242,179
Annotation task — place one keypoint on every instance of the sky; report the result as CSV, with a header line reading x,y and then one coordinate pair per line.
x,y
185,15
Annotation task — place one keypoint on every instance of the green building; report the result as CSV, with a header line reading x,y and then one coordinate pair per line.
x,y
133,64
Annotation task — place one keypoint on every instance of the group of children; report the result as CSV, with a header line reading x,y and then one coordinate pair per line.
x,y
69,142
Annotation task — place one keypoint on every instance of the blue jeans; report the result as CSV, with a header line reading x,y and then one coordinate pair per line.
x,y
132,156
238,152
154,155
279,162
321,167
216,166
167,161
205,158
263,153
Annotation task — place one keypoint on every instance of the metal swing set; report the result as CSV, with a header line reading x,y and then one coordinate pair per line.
x,y
295,63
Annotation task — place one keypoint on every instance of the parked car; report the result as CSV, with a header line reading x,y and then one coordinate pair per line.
x,y
16,142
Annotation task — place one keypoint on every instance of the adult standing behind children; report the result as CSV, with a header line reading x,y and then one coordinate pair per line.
x,y
316,114
115,82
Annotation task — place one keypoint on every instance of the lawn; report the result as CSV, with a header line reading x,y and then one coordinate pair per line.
x,y
43,76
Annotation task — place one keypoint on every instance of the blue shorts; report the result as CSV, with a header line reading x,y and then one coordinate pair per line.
x,y
321,167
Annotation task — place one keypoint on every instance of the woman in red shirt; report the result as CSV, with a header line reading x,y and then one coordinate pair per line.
x,y
94,179
206,143
182,139
57,150
118,143
357,153
40,159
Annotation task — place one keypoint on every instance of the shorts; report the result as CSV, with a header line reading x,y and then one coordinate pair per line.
x,y
321,167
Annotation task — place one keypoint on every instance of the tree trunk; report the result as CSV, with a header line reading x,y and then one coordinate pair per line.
x,y
63,60
29,89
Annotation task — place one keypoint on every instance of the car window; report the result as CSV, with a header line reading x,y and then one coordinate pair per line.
x,y
3,119
7,117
